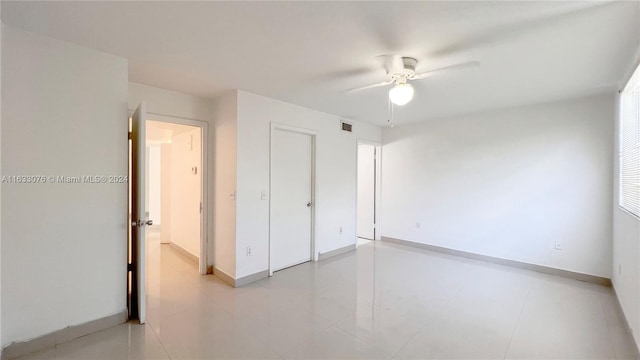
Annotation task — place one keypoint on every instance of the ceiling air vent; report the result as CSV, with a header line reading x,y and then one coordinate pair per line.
x,y
346,127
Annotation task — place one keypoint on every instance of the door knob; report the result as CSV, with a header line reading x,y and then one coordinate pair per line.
x,y
309,204
140,223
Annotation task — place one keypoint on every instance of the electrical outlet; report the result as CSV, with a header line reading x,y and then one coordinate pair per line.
x,y
558,245
417,225
248,250
340,231
263,195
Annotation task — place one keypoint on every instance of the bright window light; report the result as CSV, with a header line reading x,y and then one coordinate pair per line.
x,y
629,137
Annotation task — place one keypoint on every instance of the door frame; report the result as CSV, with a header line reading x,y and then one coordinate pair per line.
x,y
313,134
378,187
204,258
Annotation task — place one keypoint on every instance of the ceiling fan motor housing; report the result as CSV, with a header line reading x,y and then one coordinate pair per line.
x,y
401,76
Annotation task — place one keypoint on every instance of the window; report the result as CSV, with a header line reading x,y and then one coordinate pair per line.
x,y
630,145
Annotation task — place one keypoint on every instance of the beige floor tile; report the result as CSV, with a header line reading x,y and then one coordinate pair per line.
x,y
127,341
335,343
380,301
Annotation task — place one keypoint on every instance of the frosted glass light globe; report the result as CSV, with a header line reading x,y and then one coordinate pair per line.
x,y
401,94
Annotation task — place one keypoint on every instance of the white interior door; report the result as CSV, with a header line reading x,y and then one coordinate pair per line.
x,y
366,191
138,213
291,198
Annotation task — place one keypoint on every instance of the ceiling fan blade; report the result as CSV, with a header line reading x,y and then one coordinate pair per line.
x,y
392,63
459,66
371,86
515,30
343,74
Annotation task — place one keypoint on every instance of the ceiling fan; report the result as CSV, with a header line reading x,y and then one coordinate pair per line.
x,y
401,70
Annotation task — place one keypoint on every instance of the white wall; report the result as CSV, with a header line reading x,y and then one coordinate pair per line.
x,y
507,183
165,193
64,245
335,176
1,45
224,177
626,247
626,265
186,150
154,183
366,191
171,103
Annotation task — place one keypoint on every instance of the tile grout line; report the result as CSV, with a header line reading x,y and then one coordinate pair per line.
x,y
393,356
367,341
160,342
517,324
356,337
422,327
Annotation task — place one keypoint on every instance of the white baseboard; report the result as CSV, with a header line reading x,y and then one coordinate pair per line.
x,y
518,264
21,348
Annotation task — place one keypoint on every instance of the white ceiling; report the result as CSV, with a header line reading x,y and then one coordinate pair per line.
x,y
307,53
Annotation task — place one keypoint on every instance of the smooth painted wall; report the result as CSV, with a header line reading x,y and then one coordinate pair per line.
x,y
170,103
366,191
626,264
165,193
335,198
626,252
509,183
154,184
64,245
1,42
225,174
186,149
626,235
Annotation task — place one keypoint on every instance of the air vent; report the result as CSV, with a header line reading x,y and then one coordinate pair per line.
x,y
347,127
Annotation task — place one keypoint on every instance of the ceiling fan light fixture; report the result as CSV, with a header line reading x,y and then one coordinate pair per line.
x,y
401,94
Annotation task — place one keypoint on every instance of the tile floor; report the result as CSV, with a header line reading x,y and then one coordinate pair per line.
x,y
381,301
362,241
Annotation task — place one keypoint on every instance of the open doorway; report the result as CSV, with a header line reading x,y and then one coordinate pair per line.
x,y
174,187
174,202
368,186
167,242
